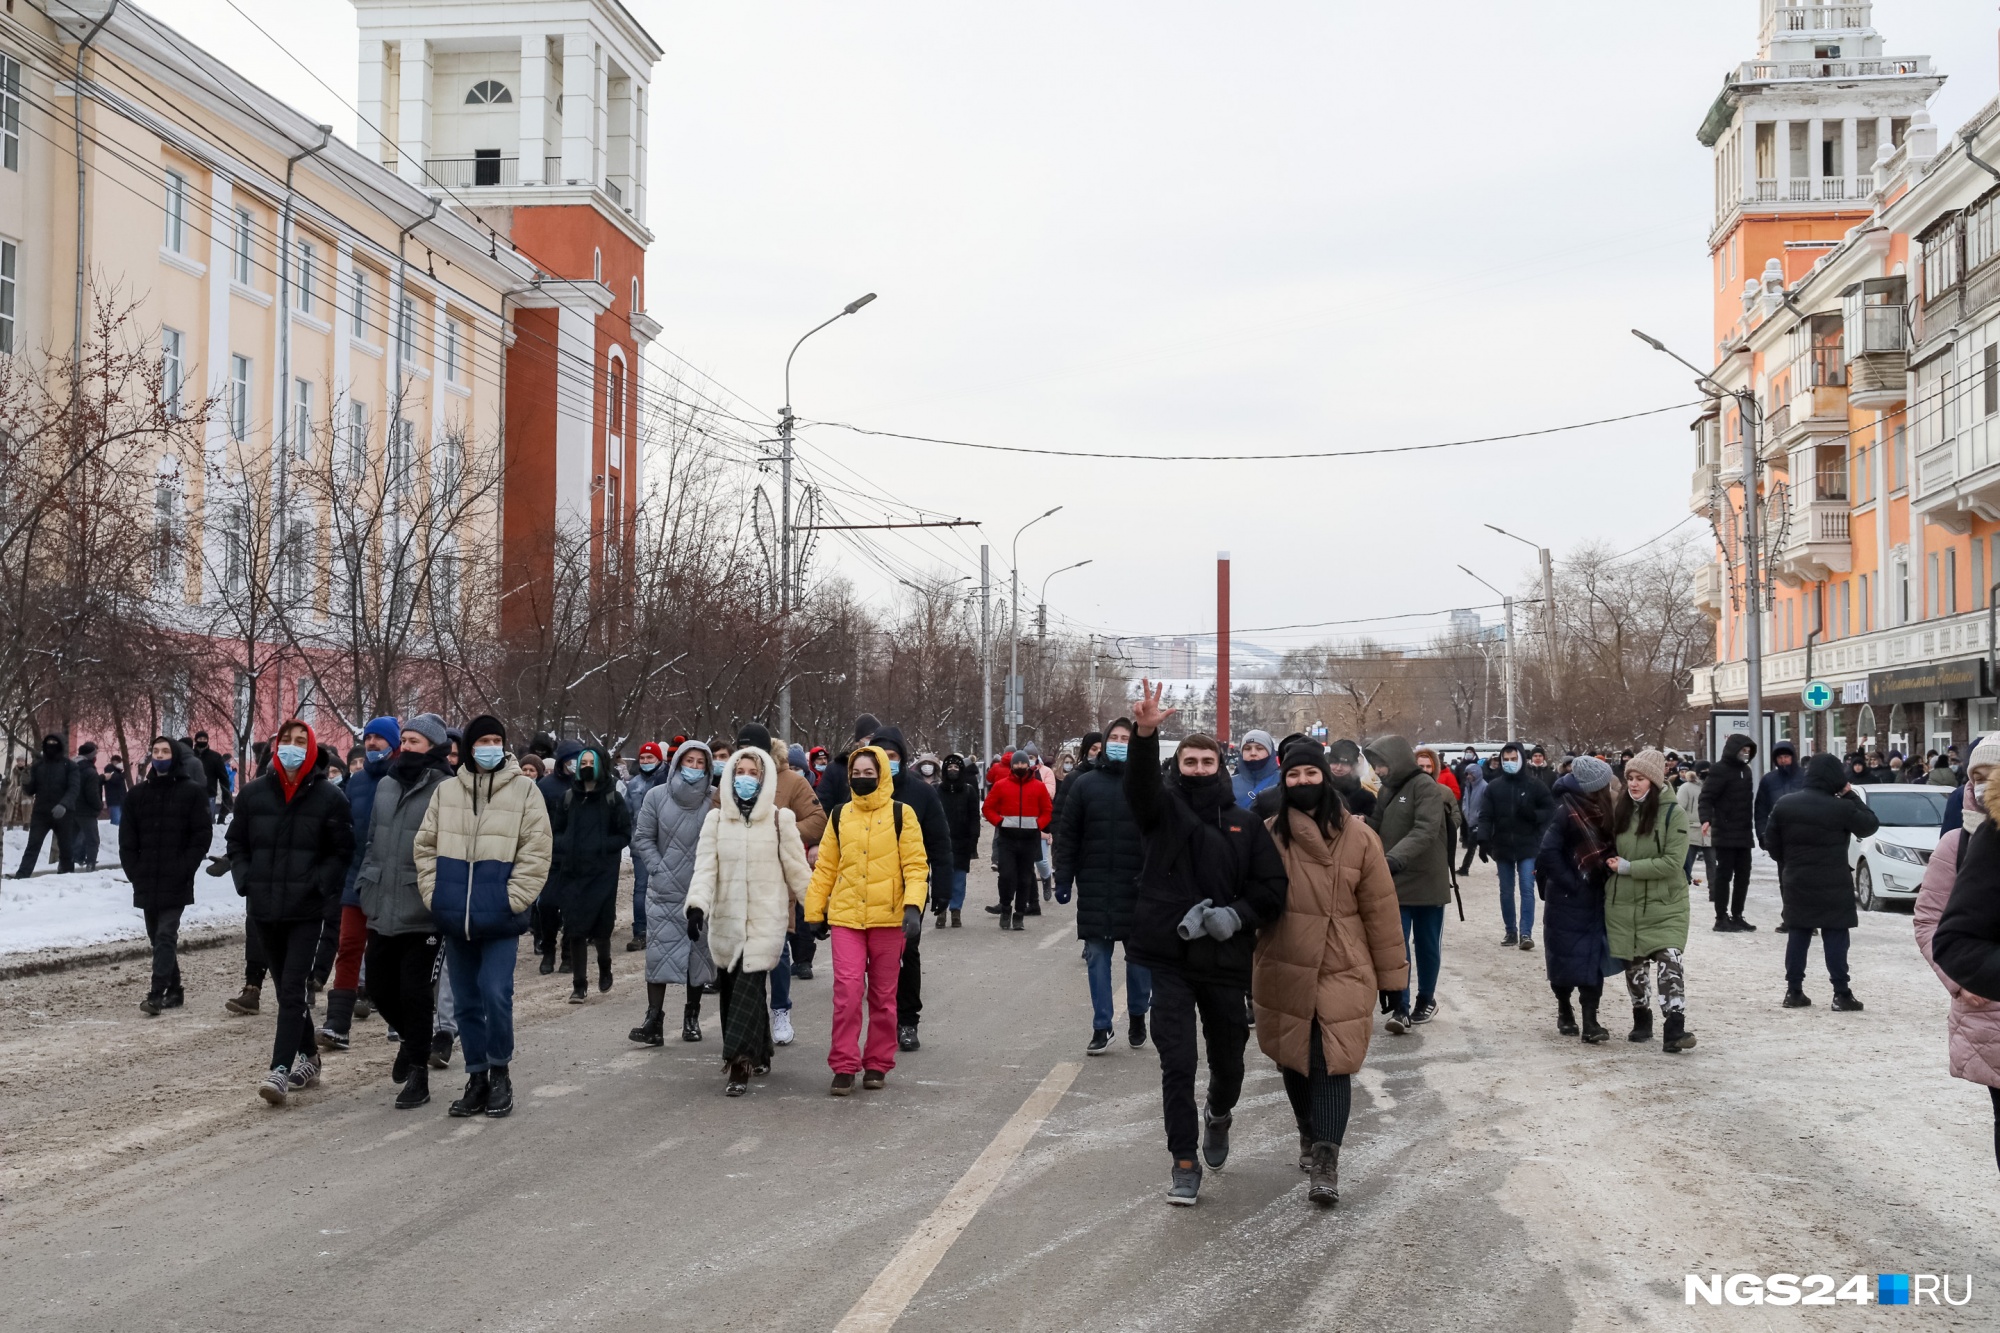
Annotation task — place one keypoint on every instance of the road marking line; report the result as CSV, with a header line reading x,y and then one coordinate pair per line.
x,y
883,1303
1057,938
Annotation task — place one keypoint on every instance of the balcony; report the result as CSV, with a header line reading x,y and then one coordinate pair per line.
x,y
1701,492
1875,341
1707,593
1789,20
1873,67
1815,407
1732,462
490,170
1816,543
1953,487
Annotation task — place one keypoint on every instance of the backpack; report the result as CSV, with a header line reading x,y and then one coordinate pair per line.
x,y
896,812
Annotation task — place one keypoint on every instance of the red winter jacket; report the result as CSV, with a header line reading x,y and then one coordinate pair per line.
x,y
1018,804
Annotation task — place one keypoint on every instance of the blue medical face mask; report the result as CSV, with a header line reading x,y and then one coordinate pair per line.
x,y
291,757
895,767
488,757
163,766
746,787
694,775
1510,766
647,765
1115,751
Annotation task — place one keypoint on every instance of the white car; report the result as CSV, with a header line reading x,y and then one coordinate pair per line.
x,y
1889,863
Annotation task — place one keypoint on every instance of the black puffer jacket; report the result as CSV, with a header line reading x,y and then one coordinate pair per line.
x,y
163,836
960,800
1807,837
1226,856
922,798
289,857
1099,852
592,827
1966,947
1512,813
53,779
1728,796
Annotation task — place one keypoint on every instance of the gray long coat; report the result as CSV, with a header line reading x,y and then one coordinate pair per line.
x,y
387,881
664,839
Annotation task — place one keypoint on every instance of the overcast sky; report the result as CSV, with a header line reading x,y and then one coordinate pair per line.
x,y
1188,228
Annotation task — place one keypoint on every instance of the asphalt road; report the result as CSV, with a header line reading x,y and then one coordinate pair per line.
x,y
1495,1176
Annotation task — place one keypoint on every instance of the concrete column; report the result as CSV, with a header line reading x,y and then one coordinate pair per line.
x,y
1850,163
534,107
600,121
579,116
1885,133
1878,465
1815,156
1746,149
1781,154
413,129
372,115
638,152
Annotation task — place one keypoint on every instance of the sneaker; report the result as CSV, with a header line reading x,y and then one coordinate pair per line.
x,y
1527,944
802,972
305,1073
440,1050
332,1040
1739,923
906,1038
1426,1010
1135,1031
603,975
843,1086
246,1003
1399,1022
1722,926
781,1027
1797,999
1100,1042
1186,1187
150,1006
1845,1003
276,1085
1215,1138
873,1079
579,995
393,1037
1511,940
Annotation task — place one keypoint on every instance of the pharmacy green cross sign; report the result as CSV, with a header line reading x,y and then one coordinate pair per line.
x,y
1818,695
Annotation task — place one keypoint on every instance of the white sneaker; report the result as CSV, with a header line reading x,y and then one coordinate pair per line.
x,y
781,1027
274,1086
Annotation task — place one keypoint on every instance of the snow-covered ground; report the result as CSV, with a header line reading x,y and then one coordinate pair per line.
x,y
53,911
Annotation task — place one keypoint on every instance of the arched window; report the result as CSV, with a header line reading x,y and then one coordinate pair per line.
x,y
597,265
488,92
616,402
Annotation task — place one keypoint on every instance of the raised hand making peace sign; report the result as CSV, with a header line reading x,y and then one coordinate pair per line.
x,y
1147,715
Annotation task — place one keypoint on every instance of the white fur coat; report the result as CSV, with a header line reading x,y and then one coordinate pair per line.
x,y
748,873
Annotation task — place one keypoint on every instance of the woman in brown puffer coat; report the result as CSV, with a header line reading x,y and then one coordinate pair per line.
x,y
1321,966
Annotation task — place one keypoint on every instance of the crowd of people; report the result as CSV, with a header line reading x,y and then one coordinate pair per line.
x,y
1293,887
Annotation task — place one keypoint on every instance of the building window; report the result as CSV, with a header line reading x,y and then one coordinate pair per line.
x,y
451,336
406,329
235,562
488,92
302,418
173,371
163,529
10,113
241,255
402,462
597,265
1951,583
1900,458
302,292
308,711
616,413
357,438
9,257
1867,615
239,398
176,235
1989,379
1941,256
1901,591
359,327
635,296
1931,587
448,469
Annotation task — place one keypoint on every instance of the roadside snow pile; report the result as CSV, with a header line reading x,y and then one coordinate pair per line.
x,y
53,911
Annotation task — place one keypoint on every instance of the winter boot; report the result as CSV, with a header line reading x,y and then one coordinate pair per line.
x,y
499,1092
1642,1025
843,1086
1186,1187
1006,918
906,1038
1019,921
1739,924
873,1079
1723,926
691,1021
1323,1181
648,1032
363,1009
246,1003
399,1068
416,1089
174,997
1565,1017
637,944
339,1018
955,922
739,1078
548,963
440,1050
1796,998
940,918
1215,1138
1845,1003
1676,1038
478,1088
603,966
1305,1144
1594,1032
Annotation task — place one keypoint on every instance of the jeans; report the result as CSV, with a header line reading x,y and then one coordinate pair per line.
x,y
1177,999
864,977
163,928
85,844
1729,885
1798,943
348,952
1523,873
482,989
1423,937
399,982
116,814
289,945
638,899
1138,984
957,890
781,979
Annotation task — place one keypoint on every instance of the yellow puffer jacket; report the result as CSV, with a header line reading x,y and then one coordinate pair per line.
x,y
867,875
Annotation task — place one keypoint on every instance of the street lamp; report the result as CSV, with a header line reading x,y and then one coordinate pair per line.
x,y
1548,601
786,591
1507,660
1042,620
1753,584
1014,631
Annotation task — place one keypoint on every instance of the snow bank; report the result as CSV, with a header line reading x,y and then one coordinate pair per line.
x,y
53,911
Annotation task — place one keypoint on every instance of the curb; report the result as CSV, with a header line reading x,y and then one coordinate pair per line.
x,y
44,962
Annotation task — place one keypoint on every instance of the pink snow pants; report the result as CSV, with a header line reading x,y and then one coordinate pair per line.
x,y
867,958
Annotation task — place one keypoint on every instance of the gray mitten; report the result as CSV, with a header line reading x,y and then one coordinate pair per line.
x,y
1191,924
1221,922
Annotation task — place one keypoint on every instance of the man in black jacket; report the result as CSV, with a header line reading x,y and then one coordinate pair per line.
x,y
89,807
1098,855
1728,818
1807,836
1209,878
289,847
162,837
958,793
215,772
922,798
1784,777
1513,809
54,781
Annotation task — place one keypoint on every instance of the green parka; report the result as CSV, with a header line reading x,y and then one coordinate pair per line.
x,y
1646,907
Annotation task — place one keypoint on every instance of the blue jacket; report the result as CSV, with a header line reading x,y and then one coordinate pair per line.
x,y
1249,782
1775,785
360,791
1570,875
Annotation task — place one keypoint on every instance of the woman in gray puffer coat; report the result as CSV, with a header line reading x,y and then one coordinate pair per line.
x,y
664,839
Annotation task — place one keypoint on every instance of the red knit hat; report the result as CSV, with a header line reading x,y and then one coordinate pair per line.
x,y
651,750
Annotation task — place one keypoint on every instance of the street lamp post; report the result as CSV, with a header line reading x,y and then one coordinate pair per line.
x,y
1753,583
1042,619
1507,657
787,576
1548,604
1014,631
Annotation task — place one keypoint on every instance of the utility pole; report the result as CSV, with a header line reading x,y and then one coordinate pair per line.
x,y
985,659
1094,714
1014,690
1222,646
1507,665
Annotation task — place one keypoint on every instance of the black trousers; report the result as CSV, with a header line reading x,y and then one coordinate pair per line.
x,y
256,964
1177,1000
1016,851
804,946
41,826
289,946
1320,1101
910,985
163,930
328,946
576,949
1729,880
401,969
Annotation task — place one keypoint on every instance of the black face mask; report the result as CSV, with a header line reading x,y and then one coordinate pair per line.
x,y
863,786
1304,796
1204,791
